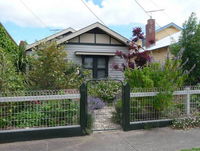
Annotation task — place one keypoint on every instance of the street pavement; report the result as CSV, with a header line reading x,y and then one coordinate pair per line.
x,y
158,139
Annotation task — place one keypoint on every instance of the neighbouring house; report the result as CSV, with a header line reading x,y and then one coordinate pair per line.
x,y
93,47
158,41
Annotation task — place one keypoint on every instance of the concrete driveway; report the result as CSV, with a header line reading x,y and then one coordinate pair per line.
x,y
159,139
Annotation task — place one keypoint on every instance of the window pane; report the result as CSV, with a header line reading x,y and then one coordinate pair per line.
x,y
88,63
101,74
101,63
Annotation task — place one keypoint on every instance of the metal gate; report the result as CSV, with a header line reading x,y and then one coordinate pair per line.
x,y
104,100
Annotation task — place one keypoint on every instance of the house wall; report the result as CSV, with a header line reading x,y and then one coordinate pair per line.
x,y
112,73
160,55
93,38
166,32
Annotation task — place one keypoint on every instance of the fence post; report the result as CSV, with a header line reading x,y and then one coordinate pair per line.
x,y
83,107
188,101
126,107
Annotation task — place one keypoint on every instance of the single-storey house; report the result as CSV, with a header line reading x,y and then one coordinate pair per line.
x,y
93,47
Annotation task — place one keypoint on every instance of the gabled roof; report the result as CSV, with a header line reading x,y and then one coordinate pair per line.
x,y
65,31
92,26
169,25
7,33
165,42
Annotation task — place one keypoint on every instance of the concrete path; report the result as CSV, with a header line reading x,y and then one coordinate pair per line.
x,y
159,139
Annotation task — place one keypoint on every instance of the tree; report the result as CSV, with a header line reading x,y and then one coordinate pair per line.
x,y
134,58
49,69
21,58
6,42
9,80
189,41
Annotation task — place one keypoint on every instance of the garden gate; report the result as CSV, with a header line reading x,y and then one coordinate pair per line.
x,y
103,101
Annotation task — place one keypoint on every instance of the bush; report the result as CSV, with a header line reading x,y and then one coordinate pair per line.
x,y
89,126
105,90
39,113
117,114
167,78
186,123
10,80
49,69
95,103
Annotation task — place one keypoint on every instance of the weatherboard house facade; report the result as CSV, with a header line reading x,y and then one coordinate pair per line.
x,y
93,47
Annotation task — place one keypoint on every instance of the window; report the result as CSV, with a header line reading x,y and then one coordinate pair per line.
x,y
97,64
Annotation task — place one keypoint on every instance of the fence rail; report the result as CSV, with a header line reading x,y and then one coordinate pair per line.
x,y
183,92
39,109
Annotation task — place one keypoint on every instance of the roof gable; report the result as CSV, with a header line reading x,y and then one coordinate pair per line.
x,y
63,33
169,25
96,27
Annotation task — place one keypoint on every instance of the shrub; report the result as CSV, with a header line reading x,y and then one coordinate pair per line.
x,y
166,78
186,123
39,113
117,114
50,70
90,120
95,103
10,80
105,90
25,118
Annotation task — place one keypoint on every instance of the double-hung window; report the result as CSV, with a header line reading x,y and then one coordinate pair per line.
x,y
97,64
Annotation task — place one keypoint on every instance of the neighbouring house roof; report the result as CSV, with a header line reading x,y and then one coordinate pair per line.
x,y
165,42
169,25
92,26
63,32
8,33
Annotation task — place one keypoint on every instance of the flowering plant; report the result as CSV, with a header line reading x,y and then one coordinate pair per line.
x,y
134,58
95,103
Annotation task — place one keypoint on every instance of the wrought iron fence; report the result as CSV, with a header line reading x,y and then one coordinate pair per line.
x,y
147,105
39,109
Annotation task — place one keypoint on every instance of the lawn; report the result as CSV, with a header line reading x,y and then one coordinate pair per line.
x,y
193,149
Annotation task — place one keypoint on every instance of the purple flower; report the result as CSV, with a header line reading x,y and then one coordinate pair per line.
x,y
95,103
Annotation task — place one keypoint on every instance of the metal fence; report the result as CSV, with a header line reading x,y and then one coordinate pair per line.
x,y
39,109
155,105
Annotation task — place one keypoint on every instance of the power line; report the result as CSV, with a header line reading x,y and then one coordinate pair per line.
x,y
92,12
150,17
31,11
156,5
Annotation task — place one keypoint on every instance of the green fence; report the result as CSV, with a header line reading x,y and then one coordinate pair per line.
x,y
147,108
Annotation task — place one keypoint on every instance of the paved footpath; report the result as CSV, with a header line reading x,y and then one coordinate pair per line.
x,y
159,139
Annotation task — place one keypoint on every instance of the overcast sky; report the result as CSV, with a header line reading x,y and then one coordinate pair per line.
x,y
31,20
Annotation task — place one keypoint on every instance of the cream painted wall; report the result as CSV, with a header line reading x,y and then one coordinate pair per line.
x,y
74,40
87,38
161,54
113,41
102,39
166,32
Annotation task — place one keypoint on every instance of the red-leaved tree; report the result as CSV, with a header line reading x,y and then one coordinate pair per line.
x,y
136,57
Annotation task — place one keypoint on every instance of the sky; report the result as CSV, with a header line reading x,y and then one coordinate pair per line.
x,y
32,20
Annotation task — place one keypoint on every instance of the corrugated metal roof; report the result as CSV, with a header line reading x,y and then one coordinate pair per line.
x,y
166,41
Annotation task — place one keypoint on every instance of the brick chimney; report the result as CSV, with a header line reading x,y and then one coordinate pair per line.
x,y
150,32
